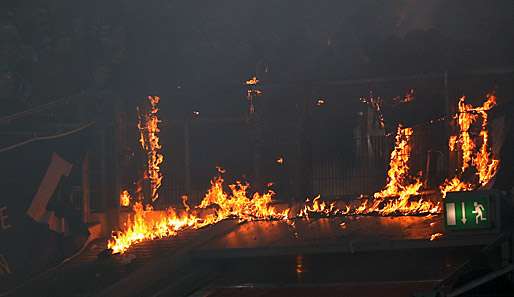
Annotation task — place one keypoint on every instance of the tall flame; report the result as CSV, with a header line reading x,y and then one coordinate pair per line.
x,y
401,185
399,181
395,198
148,125
476,153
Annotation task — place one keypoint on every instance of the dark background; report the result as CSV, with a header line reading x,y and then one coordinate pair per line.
x,y
196,56
107,56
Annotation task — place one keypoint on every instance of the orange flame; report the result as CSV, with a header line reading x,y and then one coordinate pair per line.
x,y
435,236
481,161
125,198
143,227
399,182
237,204
319,208
252,81
149,129
395,198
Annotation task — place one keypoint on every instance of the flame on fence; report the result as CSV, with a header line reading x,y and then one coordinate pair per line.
x,y
478,164
219,204
395,198
125,198
148,125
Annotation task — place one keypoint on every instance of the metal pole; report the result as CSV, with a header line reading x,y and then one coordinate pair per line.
x,y
86,210
187,160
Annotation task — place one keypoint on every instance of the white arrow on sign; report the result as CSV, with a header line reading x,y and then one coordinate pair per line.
x,y
463,213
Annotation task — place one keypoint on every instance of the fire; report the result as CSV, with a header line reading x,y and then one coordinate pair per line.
x,y
401,185
435,236
320,208
252,81
237,204
395,198
408,97
251,92
476,153
125,198
149,129
399,182
144,227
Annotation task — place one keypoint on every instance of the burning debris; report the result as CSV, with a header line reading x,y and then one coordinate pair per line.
x,y
478,165
148,124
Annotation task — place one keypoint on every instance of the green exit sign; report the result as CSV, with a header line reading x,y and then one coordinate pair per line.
x,y
467,210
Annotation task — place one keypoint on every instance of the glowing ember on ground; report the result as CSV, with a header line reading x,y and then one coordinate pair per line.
x,y
435,236
149,129
478,165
